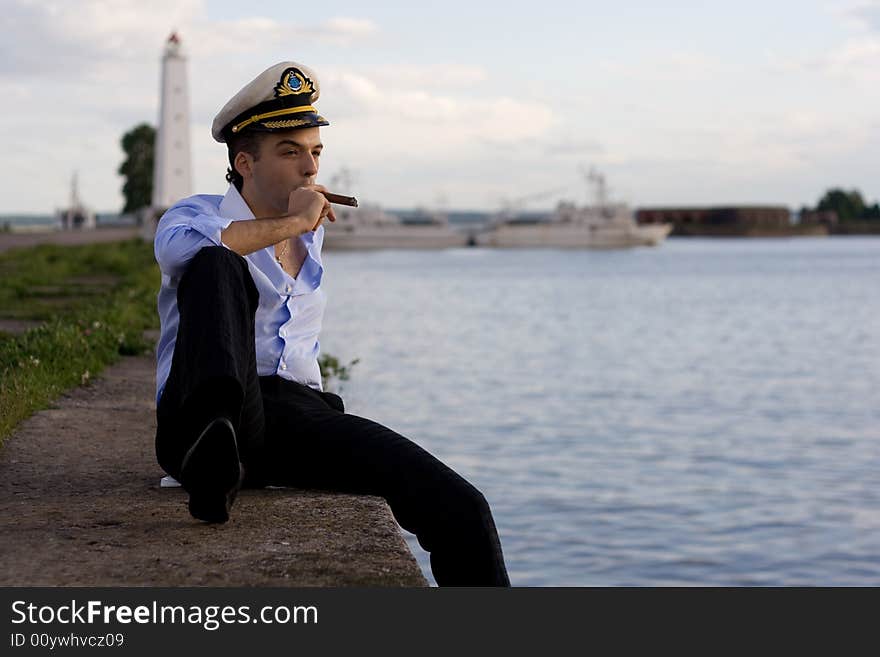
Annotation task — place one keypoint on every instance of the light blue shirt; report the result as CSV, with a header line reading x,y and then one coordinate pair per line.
x,y
290,311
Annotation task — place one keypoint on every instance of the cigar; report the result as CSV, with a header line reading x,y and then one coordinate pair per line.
x,y
339,199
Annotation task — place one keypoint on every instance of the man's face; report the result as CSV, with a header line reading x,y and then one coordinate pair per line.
x,y
288,160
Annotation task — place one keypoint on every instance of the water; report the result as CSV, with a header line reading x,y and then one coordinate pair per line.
x,y
702,413
46,222
28,222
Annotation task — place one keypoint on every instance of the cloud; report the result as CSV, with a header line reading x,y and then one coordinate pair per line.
x,y
772,142
857,58
411,137
865,14
437,76
239,36
673,66
347,28
458,118
100,61
572,146
77,40
102,39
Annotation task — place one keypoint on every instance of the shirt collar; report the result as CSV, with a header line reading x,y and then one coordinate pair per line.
x,y
233,205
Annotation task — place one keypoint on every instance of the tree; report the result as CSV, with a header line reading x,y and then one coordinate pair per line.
x,y
849,206
139,145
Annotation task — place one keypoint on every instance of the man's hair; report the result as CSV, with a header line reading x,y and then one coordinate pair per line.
x,y
247,141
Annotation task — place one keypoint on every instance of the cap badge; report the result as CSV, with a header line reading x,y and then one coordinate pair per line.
x,y
293,83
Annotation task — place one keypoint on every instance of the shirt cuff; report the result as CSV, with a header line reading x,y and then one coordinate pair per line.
x,y
211,227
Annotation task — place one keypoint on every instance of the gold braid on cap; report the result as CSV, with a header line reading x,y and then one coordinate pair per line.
x,y
289,123
269,115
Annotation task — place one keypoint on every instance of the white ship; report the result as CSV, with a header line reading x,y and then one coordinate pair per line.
x,y
370,227
599,226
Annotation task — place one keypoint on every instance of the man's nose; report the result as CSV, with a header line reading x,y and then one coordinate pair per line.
x,y
310,165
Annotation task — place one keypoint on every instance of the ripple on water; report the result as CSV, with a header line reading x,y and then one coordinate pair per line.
x,y
704,413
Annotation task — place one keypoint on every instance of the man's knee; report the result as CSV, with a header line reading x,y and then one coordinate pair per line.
x,y
217,267
478,504
334,401
212,257
466,503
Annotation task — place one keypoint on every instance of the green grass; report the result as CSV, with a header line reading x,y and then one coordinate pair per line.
x,y
92,303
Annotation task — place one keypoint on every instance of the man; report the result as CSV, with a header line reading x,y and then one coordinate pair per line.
x,y
239,395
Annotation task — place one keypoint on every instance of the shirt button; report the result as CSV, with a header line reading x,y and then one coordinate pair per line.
x,y
287,289
283,365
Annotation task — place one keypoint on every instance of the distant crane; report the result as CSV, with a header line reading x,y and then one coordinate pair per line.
x,y
77,215
596,180
511,205
342,181
598,190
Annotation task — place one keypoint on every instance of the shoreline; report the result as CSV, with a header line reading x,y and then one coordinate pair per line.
x,y
20,240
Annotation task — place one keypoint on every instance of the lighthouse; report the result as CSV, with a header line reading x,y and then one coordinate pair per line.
x,y
172,178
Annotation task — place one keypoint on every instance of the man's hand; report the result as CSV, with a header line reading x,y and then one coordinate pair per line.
x,y
306,209
310,206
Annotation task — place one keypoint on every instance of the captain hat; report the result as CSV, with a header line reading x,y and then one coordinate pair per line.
x,y
279,98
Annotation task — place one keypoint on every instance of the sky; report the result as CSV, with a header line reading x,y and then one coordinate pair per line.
x,y
467,105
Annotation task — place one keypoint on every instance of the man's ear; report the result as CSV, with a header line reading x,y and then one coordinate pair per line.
x,y
243,163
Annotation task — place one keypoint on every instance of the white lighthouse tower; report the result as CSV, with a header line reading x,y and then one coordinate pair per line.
x,y
172,178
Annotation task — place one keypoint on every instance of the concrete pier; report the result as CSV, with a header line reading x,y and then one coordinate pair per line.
x,y
80,505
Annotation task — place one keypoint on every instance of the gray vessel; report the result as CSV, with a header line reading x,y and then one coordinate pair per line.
x,y
602,225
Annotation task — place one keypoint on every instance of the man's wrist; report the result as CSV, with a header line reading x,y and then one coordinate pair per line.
x,y
294,224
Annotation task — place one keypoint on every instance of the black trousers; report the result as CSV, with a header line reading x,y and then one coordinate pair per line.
x,y
292,435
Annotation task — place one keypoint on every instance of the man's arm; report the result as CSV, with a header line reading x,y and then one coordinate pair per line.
x,y
306,209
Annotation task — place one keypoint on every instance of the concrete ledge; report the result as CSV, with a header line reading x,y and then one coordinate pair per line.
x,y
80,505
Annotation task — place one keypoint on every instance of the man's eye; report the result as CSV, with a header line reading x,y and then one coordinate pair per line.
x,y
290,152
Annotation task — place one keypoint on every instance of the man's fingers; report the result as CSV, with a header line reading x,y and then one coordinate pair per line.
x,y
308,202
